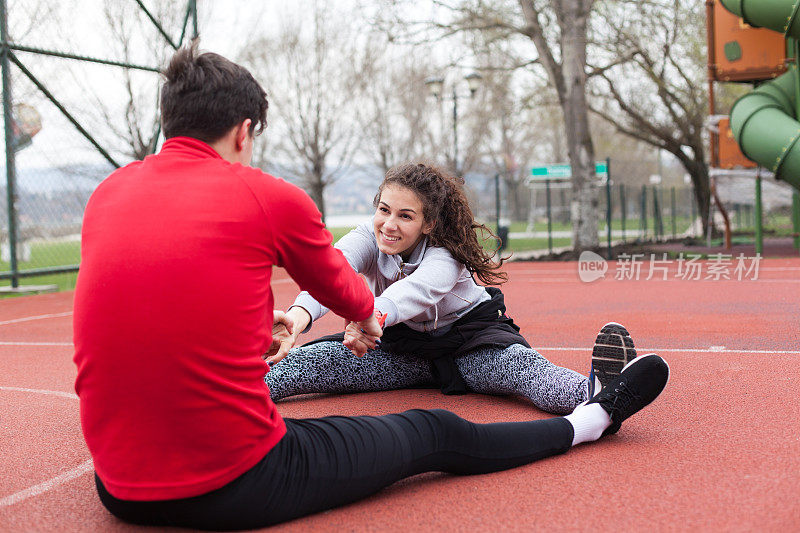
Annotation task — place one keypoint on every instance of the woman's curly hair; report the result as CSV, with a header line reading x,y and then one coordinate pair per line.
x,y
445,203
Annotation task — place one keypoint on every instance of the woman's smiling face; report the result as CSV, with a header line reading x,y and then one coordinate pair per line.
x,y
399,224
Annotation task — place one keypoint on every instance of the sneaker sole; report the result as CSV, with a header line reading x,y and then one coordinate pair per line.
x,y
613,350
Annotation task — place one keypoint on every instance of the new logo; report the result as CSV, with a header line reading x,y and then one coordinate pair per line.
x,y
591,267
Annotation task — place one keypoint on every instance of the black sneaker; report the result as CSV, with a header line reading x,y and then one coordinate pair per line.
x,y
639,383
613,349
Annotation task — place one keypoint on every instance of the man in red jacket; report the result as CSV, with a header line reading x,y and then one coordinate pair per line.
x,y
174,311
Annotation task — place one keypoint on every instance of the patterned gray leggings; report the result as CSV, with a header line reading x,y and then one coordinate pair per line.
x,y
330,367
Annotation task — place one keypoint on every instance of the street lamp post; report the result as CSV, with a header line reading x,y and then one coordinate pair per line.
x,y
436,85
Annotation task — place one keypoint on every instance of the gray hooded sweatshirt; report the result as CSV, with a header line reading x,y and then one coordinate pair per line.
x,y
428,293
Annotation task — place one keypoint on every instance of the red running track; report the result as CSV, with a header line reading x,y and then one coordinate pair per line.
x,y
719,451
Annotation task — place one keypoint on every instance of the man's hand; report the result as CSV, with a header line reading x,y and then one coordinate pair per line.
x,y
285,329
282,337
362,336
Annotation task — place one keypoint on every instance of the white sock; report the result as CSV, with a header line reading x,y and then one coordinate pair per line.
x,y
589,422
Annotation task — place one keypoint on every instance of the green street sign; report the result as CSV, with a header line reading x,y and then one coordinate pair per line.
x,y
552,171
564,171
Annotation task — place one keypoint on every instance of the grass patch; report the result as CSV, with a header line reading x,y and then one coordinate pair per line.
x,y
64,281
48,254
522,227
338,233
526,245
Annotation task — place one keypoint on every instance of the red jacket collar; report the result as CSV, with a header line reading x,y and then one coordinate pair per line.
x,y
189,146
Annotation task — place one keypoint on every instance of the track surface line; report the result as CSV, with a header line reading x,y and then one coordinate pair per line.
x,y
37,317
81,469
15,343
677,350
70,395
710,349
60,479
654,279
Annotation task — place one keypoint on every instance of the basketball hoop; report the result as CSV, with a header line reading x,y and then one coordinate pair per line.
x,y
26,123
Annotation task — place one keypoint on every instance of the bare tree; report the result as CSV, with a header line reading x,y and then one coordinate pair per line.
x,y
144,33
26,23
557,29
119,106
131,29
397,114
314,74
27,17
520,130
659,95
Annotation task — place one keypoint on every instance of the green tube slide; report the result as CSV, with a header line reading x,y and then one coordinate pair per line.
x,y
763,121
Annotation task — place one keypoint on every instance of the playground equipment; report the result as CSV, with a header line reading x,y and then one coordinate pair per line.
x,y
764,122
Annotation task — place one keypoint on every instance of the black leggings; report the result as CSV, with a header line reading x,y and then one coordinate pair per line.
x,y
326,462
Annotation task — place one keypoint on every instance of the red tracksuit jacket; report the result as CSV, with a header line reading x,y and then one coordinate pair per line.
x,y
173,310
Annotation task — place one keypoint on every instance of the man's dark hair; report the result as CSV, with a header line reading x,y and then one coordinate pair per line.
x,y
205,95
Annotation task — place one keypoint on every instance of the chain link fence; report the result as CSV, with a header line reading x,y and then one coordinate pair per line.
x,y
53,182
71,119
738,197
49,193
639,210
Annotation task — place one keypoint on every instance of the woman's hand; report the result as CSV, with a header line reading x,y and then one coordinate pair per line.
x,y
362,336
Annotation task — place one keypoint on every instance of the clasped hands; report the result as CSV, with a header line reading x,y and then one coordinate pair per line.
x,y
358,336
362,336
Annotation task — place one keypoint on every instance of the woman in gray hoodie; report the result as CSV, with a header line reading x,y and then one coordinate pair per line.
x,y
420,255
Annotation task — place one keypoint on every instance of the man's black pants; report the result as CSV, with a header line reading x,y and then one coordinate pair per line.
x,y
327,462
